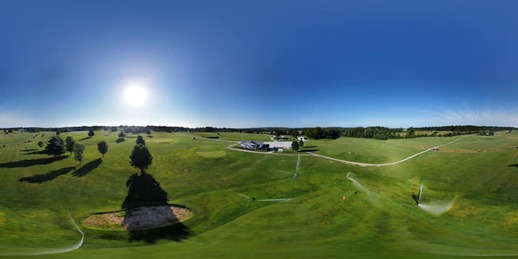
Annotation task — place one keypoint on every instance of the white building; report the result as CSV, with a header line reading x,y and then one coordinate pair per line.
x,y
303,138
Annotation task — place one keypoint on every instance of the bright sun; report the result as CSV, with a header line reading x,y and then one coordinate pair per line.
x,y
135,95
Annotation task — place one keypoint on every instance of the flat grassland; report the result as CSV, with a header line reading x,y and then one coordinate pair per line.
x,y
250,205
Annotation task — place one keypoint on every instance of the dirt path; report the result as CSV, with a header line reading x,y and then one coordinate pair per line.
x,y
341,160
55,250
385,164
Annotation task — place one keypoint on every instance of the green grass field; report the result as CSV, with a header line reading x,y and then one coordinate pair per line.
x,y
327,214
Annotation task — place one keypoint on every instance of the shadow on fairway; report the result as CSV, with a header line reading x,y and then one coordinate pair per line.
x,y
87,168
35,152
514,165
119,140
144,190
85,138
176,232
41,178
31,162
308,150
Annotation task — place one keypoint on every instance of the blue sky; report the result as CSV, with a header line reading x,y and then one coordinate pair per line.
x,y
259,63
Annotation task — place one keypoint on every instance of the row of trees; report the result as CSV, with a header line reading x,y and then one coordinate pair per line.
x,y
56,146
376,132
296,145
322,133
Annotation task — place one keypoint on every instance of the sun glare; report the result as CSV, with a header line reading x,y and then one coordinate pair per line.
x,y
135,96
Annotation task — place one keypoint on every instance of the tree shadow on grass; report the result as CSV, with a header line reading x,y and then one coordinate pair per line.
x,y
145,191
309,150
514,165
87,168
176,232
31,162
35,152
85,138
41,178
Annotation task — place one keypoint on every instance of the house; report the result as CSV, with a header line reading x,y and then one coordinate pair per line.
x,y
303,138
253,145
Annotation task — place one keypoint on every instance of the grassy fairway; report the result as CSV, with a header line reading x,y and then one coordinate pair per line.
x,y
321,212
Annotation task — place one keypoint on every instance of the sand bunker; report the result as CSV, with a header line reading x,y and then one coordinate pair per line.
x,y
140,218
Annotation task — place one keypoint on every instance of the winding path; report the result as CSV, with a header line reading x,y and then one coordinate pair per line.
x,y
56,250
385,164
336,159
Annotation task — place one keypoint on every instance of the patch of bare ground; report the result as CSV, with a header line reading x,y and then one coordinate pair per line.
x,y
140,218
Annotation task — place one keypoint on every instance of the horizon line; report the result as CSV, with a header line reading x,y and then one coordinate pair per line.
x,y
263,127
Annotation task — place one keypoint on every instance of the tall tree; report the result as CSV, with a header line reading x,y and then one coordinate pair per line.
x,y
69,144
91,133
79,150
102,146
121,137
410,132
140,140
295,145
140,157
55,146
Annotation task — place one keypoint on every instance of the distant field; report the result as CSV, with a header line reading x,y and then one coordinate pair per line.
x,y
234,136
320,212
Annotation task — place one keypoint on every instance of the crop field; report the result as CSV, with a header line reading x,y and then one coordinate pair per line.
x,y
256,205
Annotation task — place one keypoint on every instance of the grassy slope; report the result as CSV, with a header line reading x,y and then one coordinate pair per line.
x,y
374,151
325,217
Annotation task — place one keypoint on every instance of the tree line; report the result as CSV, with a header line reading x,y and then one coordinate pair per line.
x,y
375,132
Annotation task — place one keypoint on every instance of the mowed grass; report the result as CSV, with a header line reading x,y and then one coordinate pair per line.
x,y
326,216
372,150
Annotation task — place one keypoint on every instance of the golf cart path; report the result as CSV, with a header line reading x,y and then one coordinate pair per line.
x,y
335,159
384,164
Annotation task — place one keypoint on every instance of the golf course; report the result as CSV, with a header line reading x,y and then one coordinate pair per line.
x,y
256,205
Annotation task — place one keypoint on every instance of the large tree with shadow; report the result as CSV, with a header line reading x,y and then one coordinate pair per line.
x,y
55,146
140,140
140,157
102,146
144,190
79,152
69,144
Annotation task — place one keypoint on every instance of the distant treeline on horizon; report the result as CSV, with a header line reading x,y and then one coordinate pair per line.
x,y
376,132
